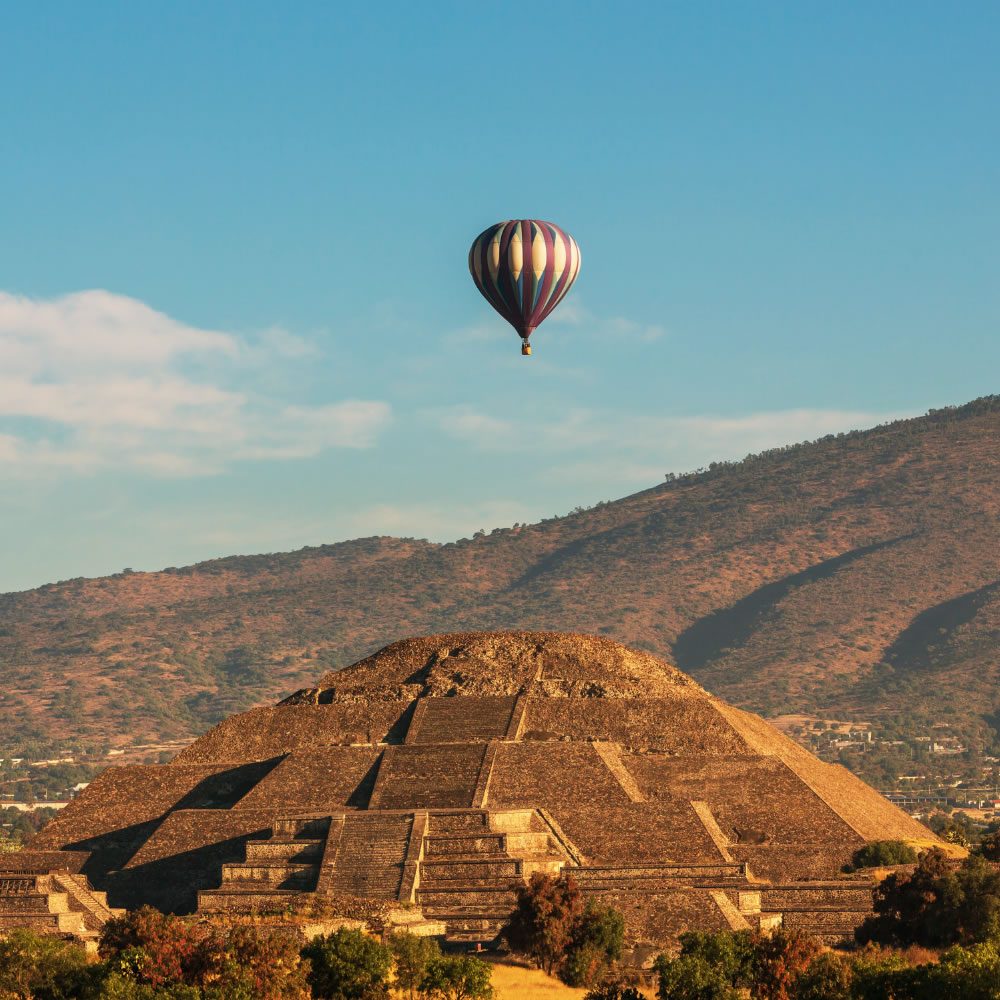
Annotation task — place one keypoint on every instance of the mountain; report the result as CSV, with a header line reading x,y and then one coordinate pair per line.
x,y
854,577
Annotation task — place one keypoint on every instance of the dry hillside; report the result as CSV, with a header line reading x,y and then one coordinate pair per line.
x,y
857,576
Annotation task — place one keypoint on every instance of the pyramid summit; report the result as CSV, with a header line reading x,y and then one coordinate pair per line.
x,y
444,770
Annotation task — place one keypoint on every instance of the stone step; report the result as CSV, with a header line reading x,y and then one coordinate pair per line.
x,y
301,851
266,871
458,822
25,904
659,885
300,877
634,873
234,899
461,898
306,829
469,870
465,844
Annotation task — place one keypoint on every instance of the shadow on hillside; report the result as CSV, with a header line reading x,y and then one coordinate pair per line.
x,y
710,637
915,647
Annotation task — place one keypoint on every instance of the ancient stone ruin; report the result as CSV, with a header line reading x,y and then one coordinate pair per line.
x,y
442,771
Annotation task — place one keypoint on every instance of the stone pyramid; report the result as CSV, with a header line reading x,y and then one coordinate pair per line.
x,y
443,770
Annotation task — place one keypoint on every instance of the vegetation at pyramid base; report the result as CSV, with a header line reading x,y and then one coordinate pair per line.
x,y
937,904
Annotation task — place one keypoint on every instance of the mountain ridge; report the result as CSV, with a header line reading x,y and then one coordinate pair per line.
x,y
834,547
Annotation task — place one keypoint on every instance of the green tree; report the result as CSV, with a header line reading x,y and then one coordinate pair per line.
x,y
989,846
976,901
459,977
595,945
348,965
146,948
732,952
965,974
691,977
412,954
154,948
40,967
878,976
910,908
937,905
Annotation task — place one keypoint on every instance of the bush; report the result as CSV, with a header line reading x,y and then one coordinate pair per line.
x,y
828,977
614,991
150,947
882,854
730,952
462,977
348,965
989,846
146,948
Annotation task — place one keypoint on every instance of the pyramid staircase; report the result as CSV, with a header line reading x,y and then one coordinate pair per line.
x,y
54,903
275,870
473,862
369,857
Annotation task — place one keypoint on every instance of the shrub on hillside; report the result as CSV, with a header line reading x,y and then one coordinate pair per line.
x,y
827,977
709,967
721,966
778,961
989,846
882,854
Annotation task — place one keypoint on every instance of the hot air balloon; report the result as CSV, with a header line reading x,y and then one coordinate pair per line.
x,y
524,268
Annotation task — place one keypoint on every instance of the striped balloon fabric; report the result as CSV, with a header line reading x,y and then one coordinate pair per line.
x,y
524,268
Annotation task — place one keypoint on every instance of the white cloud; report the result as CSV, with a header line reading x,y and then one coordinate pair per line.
x,y
97,380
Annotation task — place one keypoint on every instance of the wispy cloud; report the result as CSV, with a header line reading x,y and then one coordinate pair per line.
x,y
623,449
575,314
96,380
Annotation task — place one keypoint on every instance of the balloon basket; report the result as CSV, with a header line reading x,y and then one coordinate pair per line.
x,y
526,349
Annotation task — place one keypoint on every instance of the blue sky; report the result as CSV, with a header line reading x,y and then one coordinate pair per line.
x,y
235,314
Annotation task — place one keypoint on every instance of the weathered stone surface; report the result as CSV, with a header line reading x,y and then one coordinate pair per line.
x,y
441,771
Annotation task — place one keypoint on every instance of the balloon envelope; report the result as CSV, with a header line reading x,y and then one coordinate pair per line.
x,y
524,268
